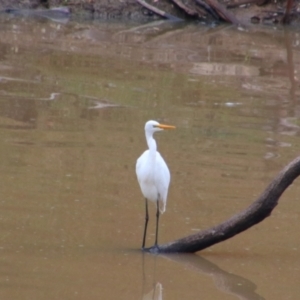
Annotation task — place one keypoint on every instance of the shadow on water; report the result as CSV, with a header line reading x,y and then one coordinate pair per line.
x,y
224,281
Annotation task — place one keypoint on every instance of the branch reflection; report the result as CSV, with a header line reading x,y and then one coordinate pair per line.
x,y
226,282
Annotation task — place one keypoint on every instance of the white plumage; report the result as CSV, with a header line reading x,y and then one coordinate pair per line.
x,y
153,174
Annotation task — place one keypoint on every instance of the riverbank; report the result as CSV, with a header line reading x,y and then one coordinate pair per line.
x,y
232,11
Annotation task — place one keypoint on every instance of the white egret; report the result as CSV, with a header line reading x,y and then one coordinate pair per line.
x,y
153,175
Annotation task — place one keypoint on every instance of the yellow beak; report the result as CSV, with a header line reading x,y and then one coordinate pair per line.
x,y
163,126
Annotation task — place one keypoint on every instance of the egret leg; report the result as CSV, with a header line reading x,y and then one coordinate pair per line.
x,y
146,223
157,220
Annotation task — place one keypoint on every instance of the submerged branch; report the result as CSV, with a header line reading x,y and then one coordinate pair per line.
x,y
255,213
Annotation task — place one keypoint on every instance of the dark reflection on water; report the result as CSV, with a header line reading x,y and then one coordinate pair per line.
x,y
73,102
226,282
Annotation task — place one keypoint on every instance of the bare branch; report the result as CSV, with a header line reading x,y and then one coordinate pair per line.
x,y
189,11
255,213
158,11
225,14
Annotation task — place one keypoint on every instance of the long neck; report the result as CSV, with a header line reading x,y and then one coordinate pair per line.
x,y
151,143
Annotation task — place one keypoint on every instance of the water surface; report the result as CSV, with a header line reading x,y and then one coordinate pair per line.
x,y
74,100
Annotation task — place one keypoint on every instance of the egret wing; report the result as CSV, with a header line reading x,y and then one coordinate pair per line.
x,y
162,181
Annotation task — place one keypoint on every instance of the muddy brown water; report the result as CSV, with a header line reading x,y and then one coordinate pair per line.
x,y
74,98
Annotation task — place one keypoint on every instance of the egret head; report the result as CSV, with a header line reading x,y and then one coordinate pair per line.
x,y
153,126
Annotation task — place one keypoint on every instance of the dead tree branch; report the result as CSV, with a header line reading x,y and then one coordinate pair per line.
x,y
208,8
189,11
158,11
255,213
224,14
286,17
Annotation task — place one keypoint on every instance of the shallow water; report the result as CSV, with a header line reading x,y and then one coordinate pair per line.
x,y
74,100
